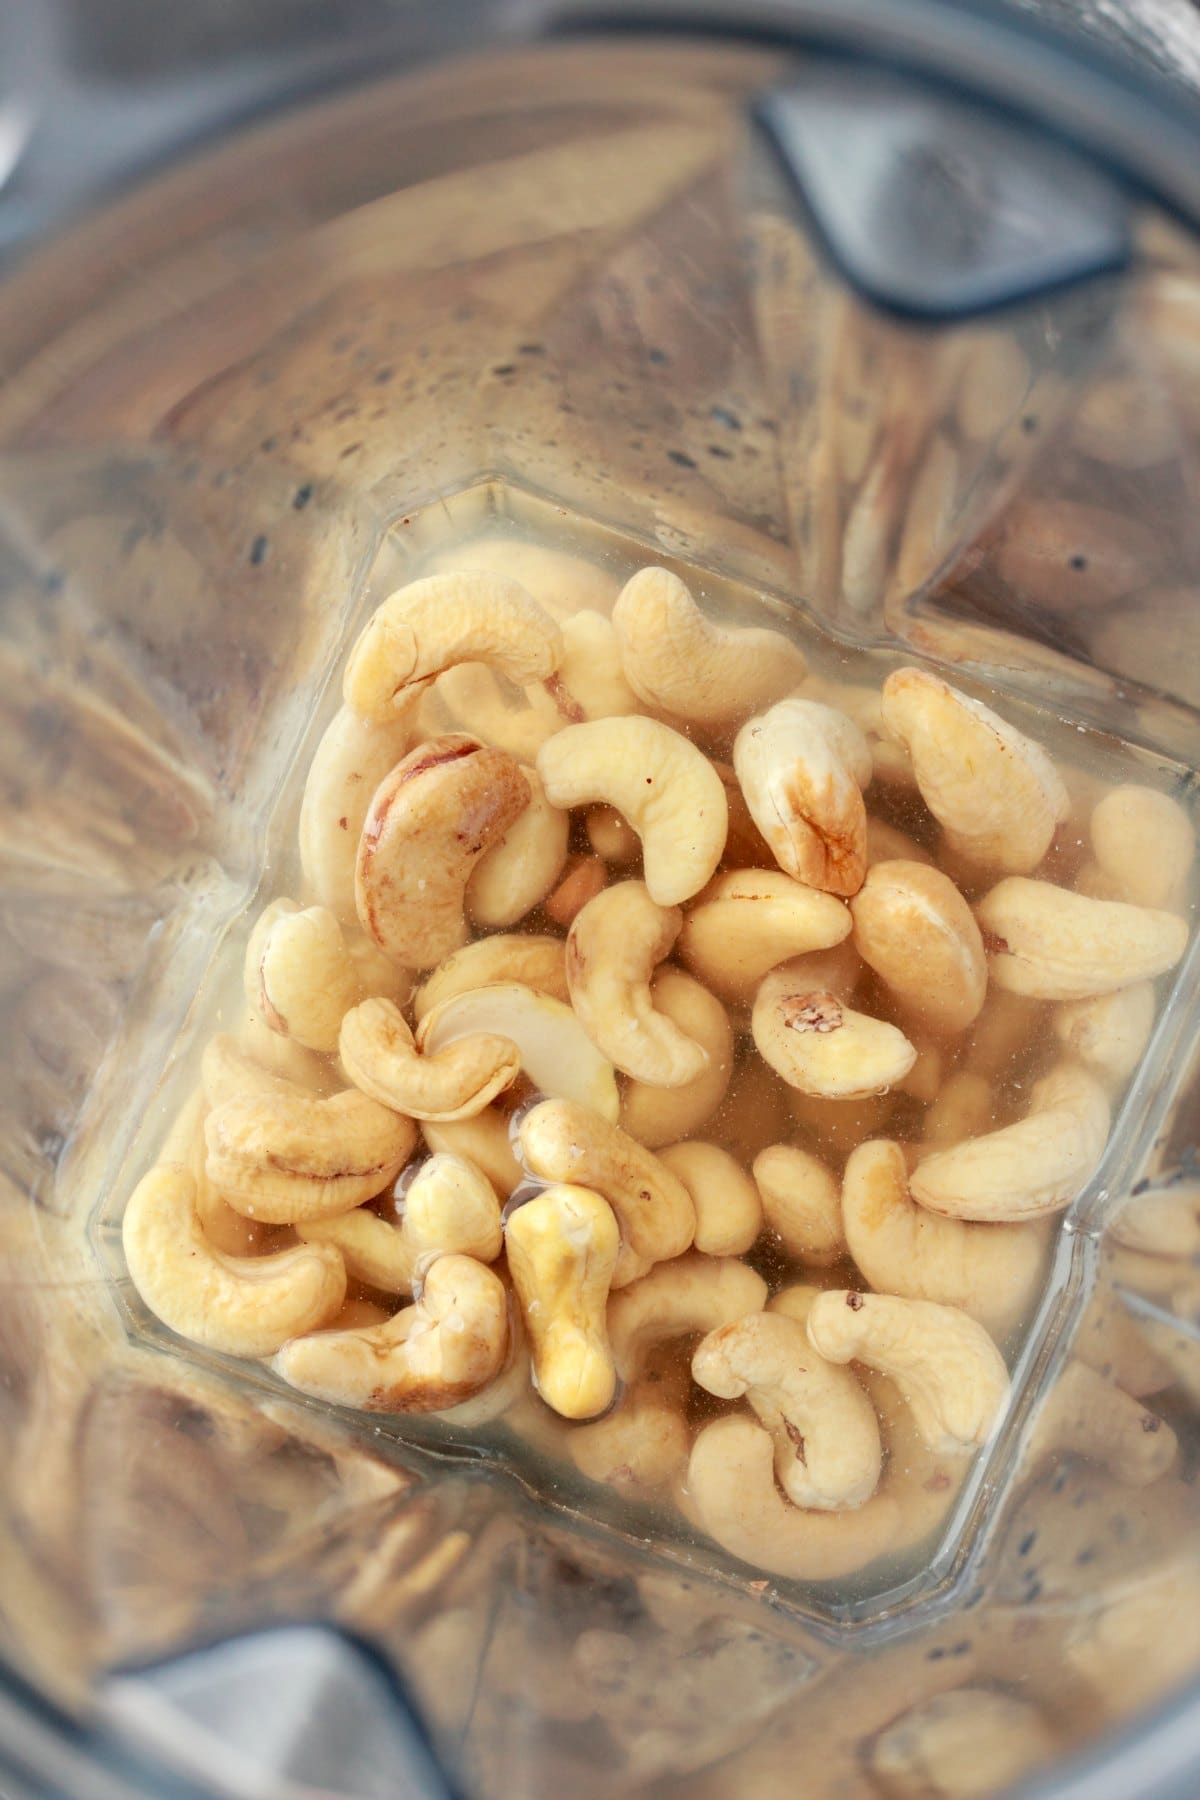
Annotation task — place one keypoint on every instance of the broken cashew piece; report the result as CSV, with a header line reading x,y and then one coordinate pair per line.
x,y
300,977
517,873
1050,944
348,765
280,1158
944,1363
538,962
450,1208
729,1214
827,1448
801,1204
555,1051
562,1250
659,782
1109,1032
380,1056
821,1046
612,950
802,768
917,932
660,1115
1145,844
690,1295
240,1305
748,921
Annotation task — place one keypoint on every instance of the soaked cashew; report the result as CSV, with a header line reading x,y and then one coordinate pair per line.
x,y
483,1140
1162,1221
1143,1641
380,1057
678,661
350,761
427,825
729,1214
1051,944
964,1107
658,1115
583,877
748,921
944,1363
802,768
562,1251
963,1745
679,1299
426,1358
242,1306
1145,844
301,976
917,932
512,877
801,1204
536,962
645,1441
996,793
667,790
610,836
836,1127
821,1046
1085,1415
827,1449
612,949
591,671
471,698
283,1157
438,622
227,1072
555,1051
1063,554
450,1208
886,844
1109,1032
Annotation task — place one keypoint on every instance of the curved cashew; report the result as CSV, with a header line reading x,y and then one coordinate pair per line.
x,y
1086,1415
1161,1221
612,949
483,1140
944,1363
802,768
748,921
301,976
350,761
583,878
679,661
224,1229
556,1052
801,1204
428,822
644,1441
426,1358
917,932
995,792
693,1294
536,962
1145,843
818,1043
472,698
558,580
610,836
666,789
827,1449
450,1209
960,1745
381,1058
591,672
227,1072
1024,1170
511,878
440,621
1051,944
964,1107
993,1272
1109,1032
284,1157
658,1115
729,1214
562,1251
244,1306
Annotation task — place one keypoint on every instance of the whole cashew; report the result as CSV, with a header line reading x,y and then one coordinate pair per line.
x,y
511,878
243,1306
802,768
944,1363
1051,944
658,1115
483,1140
301,976
827,1449
380,1057
960,1745
644,1441
666,789
610,836
680,662
801,1204
917,932
1109,1032
729,1214
284,1157
748,921
963,1108
428,822
1086,1415
562,1251
450,1209
612,949
996,793
351,760
583,877
1024,1170
536,962
993,1272
426,1358
442,620
555,1051
819,1044
682,1298
1145,843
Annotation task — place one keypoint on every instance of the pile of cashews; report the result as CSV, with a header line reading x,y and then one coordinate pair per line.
x,y
474,1151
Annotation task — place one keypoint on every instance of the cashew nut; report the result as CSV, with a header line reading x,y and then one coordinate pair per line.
x,y
558,580
802,768
517,872
1001,1036
996,793
610,837
536,962
644,1441
242,1305
612,949
1110,1340
801,1204
562,1251
677,660
426,1358
1051,944
964,1107
1109,1032
683,1298
1145,843
227,1072
591,671
819,1044
917,932
301,976
381,1058
473,698
429,821
583,877
483,1140
289,1156
729,1214
442,620
667,790
450,1209
555,1051
962,1745
944,1363
350,761
1064,554
748,921
224,1229
658,1115
886,844
827,1449
1086,1415
1161,1221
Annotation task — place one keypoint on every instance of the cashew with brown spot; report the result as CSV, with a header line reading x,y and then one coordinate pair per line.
x,y
917,932
555,1051
583,877
658,1115
1050,944
519,870
644,1441
1145,843
804,1029
284,1157
562,1251
1086,1415
801,1204
538,962
1109,1032
350,761
748,921
380,1056
667,790
450,1208
683,1298
729,1213
963,1745
612,950
802,768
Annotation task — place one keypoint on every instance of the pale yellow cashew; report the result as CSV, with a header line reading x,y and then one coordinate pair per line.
x,y
591,673
1022,1171
1051,944
995,792
241,1305
224,1229
1142,1642
683,1298
659,782
301,976
428,823
993,1272
806,1032
917,932
562,1251
1161,1221
658,1115
963,1108
886,844
227,1072
644,1441
612,950
678,661
351,760
963,1745
558,580
427,1358
483,1140
802,768
1085,1415
450,1208
555,1051
828,1453
440,621
284,1157
1145,844
472,698
801,1204
380,1057
890,761
729,1213
748,921
511,878
1109,1032
610,836
944,1363
538,962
